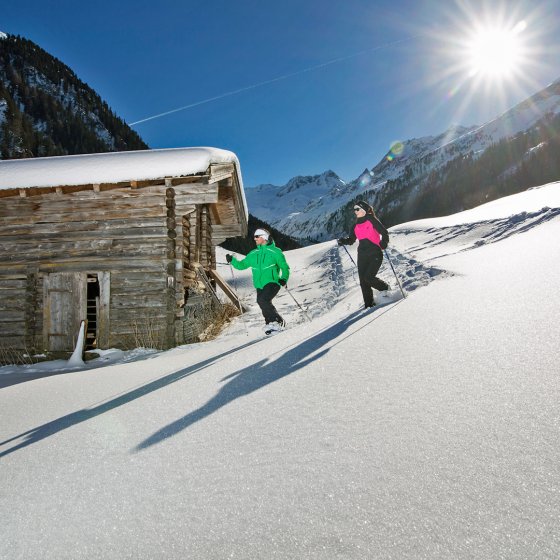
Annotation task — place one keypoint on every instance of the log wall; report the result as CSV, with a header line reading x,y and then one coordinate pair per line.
x,y
142,241
126,233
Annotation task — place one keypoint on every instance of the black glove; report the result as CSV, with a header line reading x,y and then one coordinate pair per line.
x,y
229,258
282,282
341,241
383,244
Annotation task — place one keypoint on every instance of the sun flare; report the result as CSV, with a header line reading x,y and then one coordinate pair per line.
x,y
496,53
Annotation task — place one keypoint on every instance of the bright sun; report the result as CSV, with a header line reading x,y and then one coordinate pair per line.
x,y
496,53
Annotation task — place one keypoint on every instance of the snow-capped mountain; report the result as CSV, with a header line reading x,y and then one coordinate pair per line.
x,y
300,195
313,207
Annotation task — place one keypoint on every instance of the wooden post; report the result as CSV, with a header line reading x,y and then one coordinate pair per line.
x,y
170,268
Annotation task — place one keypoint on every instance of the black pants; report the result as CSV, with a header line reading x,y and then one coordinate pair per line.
x,y
264,299
369,263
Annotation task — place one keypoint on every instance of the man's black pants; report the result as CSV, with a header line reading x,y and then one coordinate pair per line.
x,y
264,299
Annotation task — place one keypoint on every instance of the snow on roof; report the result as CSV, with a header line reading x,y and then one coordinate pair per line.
x,y
112,167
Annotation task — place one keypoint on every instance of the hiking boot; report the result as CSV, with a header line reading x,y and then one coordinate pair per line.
x,y
274,327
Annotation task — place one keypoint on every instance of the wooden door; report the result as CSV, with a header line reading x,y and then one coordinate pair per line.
x,y
65,297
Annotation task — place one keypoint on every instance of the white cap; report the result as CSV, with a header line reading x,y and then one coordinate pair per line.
x,y
262,233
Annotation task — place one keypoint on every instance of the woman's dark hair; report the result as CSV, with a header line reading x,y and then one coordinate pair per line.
x,y
369,210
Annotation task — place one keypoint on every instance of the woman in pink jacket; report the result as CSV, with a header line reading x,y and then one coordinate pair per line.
x,y
373,238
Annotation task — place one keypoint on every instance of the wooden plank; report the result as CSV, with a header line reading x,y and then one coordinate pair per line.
x,y
220,171
89,246
122,228
68,205
104,310
150,285
138,298
99,187
122,320
133,236
202,178
79,216
11,316
84,263
204,279
228,290
14,301
16,342
225,231
12,284
215,215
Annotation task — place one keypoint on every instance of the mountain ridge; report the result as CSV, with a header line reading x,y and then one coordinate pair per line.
x,y
396,185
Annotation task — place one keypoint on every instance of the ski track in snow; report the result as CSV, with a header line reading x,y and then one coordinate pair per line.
x,y
464,237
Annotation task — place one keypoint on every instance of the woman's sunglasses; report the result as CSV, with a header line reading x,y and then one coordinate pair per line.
x,y
357,208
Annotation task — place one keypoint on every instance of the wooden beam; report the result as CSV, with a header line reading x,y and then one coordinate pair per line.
x,y
215,215
220,171
228,290
230,230
100,187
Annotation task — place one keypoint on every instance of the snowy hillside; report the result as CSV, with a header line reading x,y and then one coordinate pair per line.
x,y
310,211
45,109
425,428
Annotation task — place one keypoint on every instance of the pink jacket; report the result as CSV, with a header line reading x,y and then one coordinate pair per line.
x,y
365,230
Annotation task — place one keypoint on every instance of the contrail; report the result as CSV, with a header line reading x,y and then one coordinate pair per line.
x,y
266,82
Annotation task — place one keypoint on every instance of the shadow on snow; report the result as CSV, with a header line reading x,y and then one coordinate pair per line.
x,y
258,375
51,428
240,383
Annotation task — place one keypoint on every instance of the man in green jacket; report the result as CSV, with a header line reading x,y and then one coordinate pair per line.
x,y
270,271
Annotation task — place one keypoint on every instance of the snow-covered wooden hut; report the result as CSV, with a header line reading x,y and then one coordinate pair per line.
x,y
116,238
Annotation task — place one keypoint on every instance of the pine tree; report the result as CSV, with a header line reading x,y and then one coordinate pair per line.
x,y
60,118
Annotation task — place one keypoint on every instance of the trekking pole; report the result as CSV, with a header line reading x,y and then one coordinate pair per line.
x,y
306,314
349,255
238,299
398,281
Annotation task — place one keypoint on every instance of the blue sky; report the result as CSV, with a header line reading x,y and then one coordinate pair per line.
x,y
398,73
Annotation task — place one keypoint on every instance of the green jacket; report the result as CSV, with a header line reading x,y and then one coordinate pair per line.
x,y
268,264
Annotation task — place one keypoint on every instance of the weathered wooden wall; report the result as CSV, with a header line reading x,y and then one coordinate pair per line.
x,y
12,309
143,241
123,232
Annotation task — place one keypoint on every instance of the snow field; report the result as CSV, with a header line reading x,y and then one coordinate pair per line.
x,y
424,428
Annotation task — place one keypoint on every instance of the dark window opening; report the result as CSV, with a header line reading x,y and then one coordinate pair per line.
x,y
92,311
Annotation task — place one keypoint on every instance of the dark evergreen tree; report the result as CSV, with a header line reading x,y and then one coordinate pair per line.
x,y
45,109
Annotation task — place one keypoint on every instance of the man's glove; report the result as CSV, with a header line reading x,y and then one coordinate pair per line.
x,y
340,242
383,244
282,282
229,258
